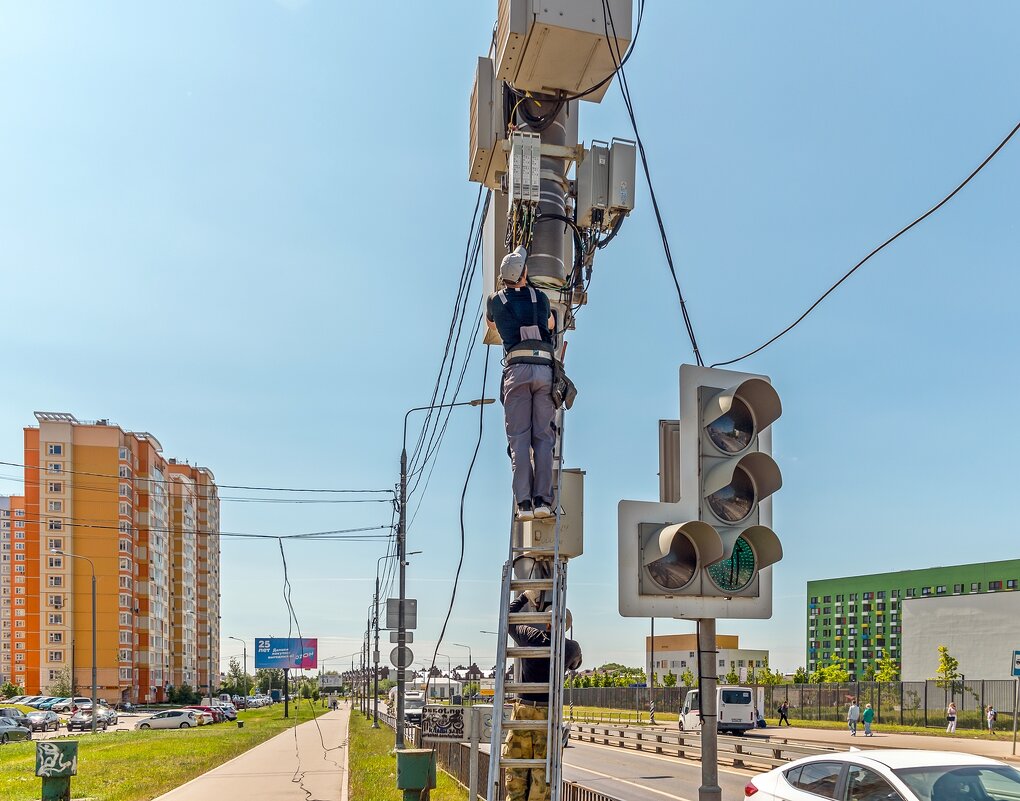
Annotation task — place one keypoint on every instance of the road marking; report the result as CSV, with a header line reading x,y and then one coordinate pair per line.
x,y
672,760
632,784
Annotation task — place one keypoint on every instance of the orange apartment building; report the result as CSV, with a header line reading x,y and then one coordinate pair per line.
x,y
150,527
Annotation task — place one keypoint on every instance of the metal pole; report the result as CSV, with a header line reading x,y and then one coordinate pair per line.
x,y
1016,704
95,708
710,789
375,655
651,681
401,632
476,725
286,693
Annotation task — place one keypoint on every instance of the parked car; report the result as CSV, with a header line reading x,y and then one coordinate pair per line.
x,y
885,775
16,699
14,714
48,704
10,730
228,710
43,721
125,706
72,704
170,719
214,713
42,699
82,720
108,715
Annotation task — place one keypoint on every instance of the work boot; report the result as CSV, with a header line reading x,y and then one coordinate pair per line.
x,y
525,511
542,508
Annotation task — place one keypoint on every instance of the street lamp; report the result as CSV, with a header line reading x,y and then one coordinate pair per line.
x,y
375,653
95,706
244,645
470,660
402,556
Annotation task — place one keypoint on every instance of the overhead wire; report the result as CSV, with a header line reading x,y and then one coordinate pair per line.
x,y
887,242
614,45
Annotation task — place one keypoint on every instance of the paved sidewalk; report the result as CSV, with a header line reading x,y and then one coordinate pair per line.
x,y
275,771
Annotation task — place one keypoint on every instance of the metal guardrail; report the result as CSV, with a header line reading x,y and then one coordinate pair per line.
x,y
740,751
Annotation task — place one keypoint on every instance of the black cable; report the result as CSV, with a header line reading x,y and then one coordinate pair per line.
x,y
463,495
625,91
889,241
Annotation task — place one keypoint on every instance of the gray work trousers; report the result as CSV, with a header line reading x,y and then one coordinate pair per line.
x,y
529,410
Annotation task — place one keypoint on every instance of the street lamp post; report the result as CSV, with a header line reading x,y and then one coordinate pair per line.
x,y
375,653
402,556
244,651
470,660
95,707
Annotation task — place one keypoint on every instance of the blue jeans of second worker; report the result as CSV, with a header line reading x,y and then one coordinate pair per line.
x,y
529,410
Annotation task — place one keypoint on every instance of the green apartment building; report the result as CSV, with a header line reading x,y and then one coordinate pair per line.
x,y
858,617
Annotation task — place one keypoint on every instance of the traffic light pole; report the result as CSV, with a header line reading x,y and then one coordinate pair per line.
x,y
708,681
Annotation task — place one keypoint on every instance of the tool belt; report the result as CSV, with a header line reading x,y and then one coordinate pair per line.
x,y
530,351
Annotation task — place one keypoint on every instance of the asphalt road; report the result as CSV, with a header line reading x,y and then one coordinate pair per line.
x,y
637,776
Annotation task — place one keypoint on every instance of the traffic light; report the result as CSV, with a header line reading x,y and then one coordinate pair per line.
x,y
708,552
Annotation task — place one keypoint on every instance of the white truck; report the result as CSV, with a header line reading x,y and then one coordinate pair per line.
x,y
735,710
414,703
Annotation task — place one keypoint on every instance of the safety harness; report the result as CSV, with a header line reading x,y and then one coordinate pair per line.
x,y
532,349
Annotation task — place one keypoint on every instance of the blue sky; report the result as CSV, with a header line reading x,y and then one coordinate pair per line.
x,y
240,225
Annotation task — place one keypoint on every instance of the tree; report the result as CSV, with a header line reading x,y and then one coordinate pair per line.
x,y
732,677
237,680
687,678
833,673
767,677
948,674
669,680
800,676
888,669
267,678
472,688
869,672
61,686
9,689
182,695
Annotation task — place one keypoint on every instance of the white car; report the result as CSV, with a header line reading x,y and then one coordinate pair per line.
x,y
170,719
887,775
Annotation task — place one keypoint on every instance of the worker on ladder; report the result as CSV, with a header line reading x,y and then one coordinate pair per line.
x,y
529,784
524,320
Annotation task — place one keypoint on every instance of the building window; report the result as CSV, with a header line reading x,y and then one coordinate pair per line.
x,y
125,618
940,589
54,506
56,656
867,596
124,508
55,543
54,467
54,581
56,601
814,599
853,596
124,546
1011,584
925,590
55,486
125,490
975,586
957,588
994,585
55,450
56,637
125,582
827,599
122,454
55,562
911,593
55,618
839,599
125,638
125,600
55,525
894,593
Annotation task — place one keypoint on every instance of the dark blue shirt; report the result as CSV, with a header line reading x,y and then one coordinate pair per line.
x,y
518,311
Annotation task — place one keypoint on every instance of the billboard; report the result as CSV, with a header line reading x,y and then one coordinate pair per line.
x,y
285,652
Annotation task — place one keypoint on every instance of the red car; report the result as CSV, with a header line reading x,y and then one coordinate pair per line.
x,y
217,715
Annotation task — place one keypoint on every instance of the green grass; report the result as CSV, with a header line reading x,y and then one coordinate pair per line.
x,y
597,714
374,767
141,765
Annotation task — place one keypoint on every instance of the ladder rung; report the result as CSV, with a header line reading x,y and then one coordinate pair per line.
x,y
531,584
526,687
528,652
521,763
529,617
526,724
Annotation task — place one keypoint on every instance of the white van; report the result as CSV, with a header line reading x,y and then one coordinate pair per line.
x,y
735,715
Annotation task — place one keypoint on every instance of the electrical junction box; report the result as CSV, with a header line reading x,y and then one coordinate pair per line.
x,y
525,167
486,158
622,173
542,533
592,181
493,251
560,45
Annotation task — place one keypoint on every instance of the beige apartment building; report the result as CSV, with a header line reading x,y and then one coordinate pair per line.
x,y
148,527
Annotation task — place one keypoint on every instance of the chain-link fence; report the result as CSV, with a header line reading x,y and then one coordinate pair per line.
x,y
906,703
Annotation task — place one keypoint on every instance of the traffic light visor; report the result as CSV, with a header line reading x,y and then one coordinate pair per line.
x,y
733,488
734,417
682,549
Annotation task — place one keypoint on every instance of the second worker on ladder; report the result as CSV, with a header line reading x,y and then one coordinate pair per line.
x,y
523,318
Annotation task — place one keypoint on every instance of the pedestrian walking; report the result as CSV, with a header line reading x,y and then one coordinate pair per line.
x,y
853,714
990,717
867,716
951,717
530,784
525,323
784,714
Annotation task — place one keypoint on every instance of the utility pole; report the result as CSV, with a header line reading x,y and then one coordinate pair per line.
x,y
92,565
651,679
